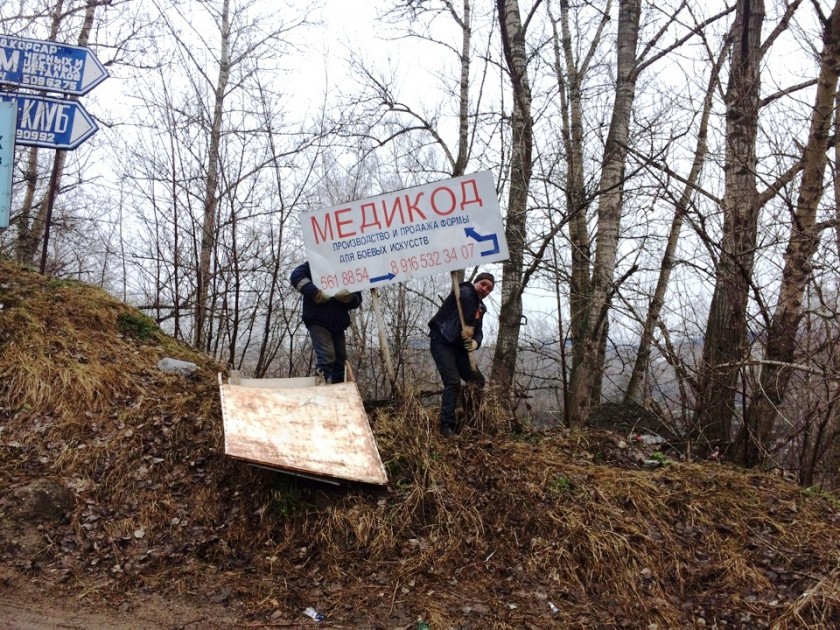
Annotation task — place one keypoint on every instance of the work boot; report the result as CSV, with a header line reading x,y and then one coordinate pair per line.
x,y
446,431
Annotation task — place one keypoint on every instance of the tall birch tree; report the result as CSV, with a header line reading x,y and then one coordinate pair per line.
x,y
595,285
571,73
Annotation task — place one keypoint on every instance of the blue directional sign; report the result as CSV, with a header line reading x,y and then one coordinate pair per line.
x,y
49,66
52,123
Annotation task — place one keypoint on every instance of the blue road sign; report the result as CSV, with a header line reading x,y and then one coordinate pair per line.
x,y
8,117
49,66
52,123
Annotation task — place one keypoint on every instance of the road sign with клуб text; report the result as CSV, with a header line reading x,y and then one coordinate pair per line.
x,y
50,122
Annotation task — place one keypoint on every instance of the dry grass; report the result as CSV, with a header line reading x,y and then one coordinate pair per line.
x,y
818,607
480,531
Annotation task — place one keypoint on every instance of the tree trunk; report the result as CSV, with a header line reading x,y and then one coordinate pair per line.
x,y
510,318
29,234
577,199
592,325
759,420
211,199
26,244
464,22
37,233
634,387
725,342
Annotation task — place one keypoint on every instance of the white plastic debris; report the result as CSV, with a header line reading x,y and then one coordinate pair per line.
x,y
311,612
650,440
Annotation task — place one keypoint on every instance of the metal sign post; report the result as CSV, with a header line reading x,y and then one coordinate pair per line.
x,y
8,123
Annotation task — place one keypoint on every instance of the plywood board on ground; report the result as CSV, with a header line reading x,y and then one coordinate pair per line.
x,y
313,430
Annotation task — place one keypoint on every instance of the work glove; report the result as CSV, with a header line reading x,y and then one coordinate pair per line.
x,y
344,296
321,297
470,345
467,332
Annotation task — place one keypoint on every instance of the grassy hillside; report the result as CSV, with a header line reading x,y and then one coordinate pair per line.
x,y
113,479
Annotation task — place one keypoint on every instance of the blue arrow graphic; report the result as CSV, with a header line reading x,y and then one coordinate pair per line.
x,y
385,278
471,233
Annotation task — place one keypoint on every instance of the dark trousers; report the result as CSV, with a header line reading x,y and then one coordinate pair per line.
x,y
330,352
453,364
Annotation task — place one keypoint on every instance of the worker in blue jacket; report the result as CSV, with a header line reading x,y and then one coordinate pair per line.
x,y
453,335
326,318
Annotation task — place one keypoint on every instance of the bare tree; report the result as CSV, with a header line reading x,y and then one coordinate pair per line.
x,y
682,206
590,318
32,230
726,331
222,172
760,417
571,73
513,30
592,330
208,228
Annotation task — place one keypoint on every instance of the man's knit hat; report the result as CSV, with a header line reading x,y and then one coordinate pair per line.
x,y
485,276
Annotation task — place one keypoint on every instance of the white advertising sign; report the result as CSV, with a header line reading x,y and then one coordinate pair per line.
x,y
411,233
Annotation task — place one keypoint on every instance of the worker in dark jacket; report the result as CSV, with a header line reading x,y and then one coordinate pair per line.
x,y
326,318
451,343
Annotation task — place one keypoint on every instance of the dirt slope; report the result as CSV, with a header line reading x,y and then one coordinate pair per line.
x,y
118,509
